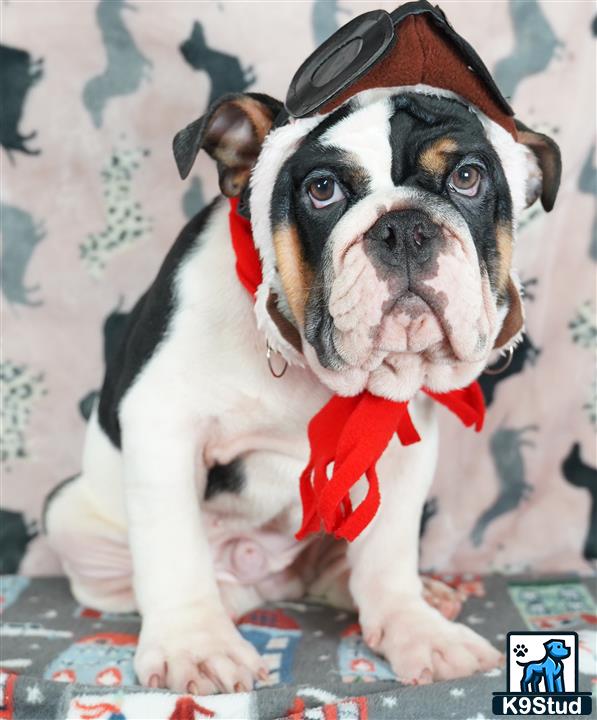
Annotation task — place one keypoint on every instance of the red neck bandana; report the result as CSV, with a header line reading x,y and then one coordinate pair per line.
x,y
350,432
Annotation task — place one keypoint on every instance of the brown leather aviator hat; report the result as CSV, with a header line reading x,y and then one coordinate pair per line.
x,y
414,44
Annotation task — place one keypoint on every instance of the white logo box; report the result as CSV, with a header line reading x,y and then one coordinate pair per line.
x,y
536,651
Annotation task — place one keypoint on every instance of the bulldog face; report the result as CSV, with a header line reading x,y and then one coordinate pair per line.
x,y
386,232
392,225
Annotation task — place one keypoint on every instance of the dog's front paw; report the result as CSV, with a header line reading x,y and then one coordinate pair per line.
x,y
422,646
198,651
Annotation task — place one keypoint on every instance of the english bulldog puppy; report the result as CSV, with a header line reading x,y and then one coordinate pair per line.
x,y
385,230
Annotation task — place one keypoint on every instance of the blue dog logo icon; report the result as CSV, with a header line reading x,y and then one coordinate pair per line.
x,y
550,669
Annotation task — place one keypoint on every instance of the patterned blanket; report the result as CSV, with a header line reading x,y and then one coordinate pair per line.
x,y
60,660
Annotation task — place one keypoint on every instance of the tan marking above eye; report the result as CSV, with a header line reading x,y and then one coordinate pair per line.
x,y
503,241
435,157
295,273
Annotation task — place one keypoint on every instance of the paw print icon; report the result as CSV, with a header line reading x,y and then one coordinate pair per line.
x,y
520,650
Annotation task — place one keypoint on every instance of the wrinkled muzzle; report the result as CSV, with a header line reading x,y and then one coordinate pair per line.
x,y
402,300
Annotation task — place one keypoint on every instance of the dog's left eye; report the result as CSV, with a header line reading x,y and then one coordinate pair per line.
x,y
465,180
324,191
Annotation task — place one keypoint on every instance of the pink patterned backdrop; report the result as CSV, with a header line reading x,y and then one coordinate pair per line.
x,y
91,200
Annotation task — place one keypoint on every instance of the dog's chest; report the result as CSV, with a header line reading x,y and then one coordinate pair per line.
x,y
268,421
255,451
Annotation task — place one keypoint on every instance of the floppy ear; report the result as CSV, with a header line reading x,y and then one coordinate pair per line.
x,y
546,166
513,323
232,133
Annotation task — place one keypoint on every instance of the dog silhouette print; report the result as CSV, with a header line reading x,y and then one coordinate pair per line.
x,y
550,669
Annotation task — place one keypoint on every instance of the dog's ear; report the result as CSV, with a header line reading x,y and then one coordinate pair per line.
x,y
231,132
545,166
513,323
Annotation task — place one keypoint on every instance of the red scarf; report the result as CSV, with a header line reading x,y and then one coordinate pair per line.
x,y
351,432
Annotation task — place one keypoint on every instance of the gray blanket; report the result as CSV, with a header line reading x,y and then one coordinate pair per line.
x,y
62,660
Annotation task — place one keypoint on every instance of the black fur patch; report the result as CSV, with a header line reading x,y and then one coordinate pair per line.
x,y
146,327
225,478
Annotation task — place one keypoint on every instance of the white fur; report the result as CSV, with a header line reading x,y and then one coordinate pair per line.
x,y
207,395
516,161
366,134
360,133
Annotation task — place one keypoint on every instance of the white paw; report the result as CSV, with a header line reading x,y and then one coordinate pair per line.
x,y
422,646
197,651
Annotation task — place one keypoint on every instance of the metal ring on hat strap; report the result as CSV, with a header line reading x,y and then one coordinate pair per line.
x,y
268,354
502,368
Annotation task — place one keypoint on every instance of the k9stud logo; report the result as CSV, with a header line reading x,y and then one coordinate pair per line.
x,y
542,673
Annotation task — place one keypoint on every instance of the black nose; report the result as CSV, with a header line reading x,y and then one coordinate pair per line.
x,y
404,235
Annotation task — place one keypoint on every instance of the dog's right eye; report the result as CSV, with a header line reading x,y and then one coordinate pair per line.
x,y
324,191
